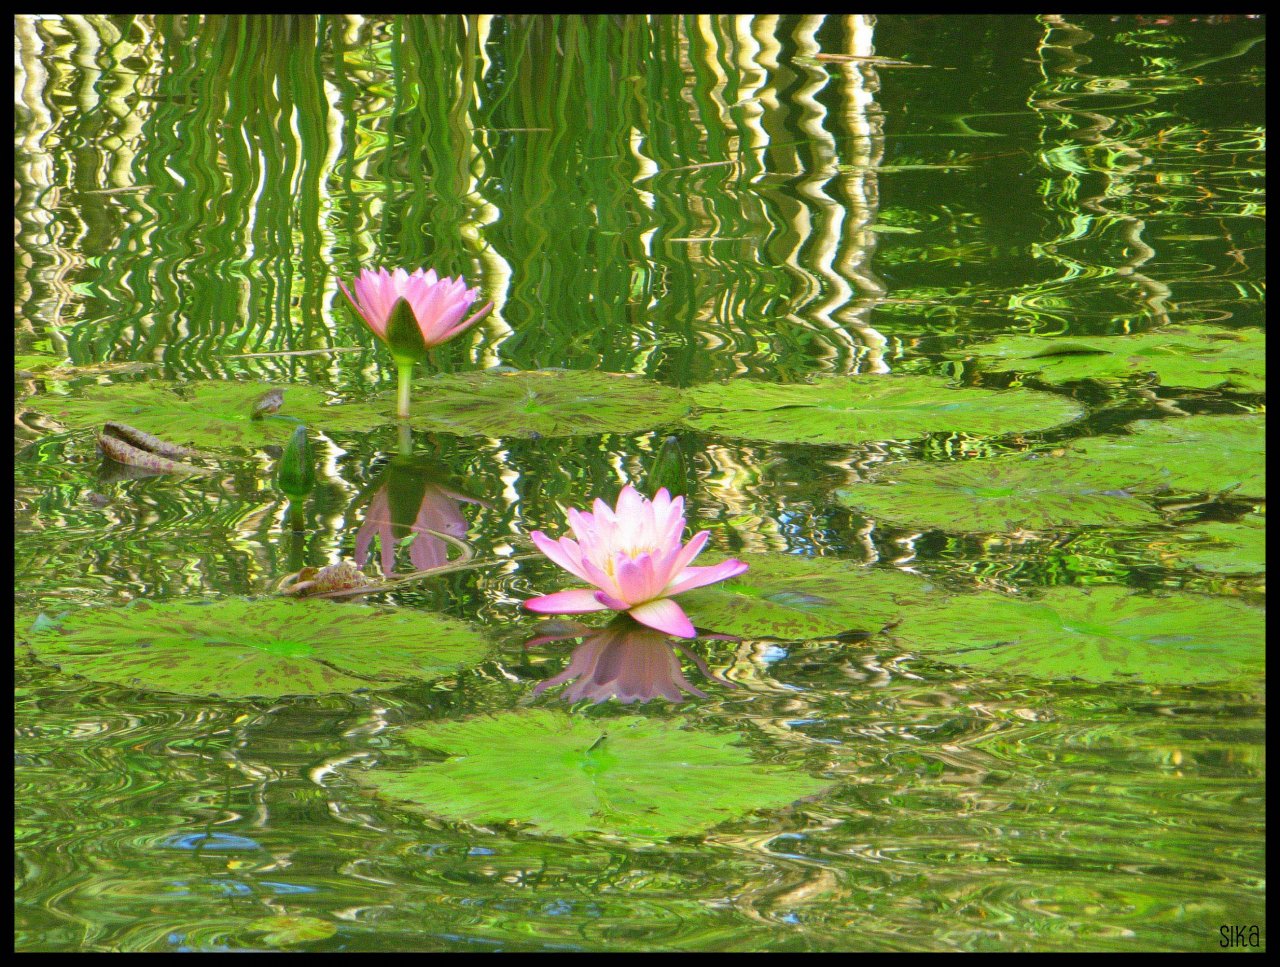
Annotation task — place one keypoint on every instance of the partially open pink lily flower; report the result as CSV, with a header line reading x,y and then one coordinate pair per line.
x,y
411,314
633,556
438,304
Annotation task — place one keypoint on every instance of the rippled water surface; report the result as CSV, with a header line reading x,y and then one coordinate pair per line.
x,y
706,204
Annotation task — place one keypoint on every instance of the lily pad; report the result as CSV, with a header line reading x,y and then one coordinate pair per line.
x,y
870,408
205,414
563,774
1195,454
543,402
797,598
1008,494
238,649
1199,358
1221,547
1097,634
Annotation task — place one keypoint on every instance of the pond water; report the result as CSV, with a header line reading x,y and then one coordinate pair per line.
x,y
950,328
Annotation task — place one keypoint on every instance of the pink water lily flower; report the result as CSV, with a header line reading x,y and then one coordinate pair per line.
x,y
437,306
632,554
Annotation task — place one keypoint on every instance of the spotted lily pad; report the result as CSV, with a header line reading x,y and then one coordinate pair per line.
x,y
1237,547
238,649
544,402
1096,634
1006,494
205,414
797,598
866,408
564,774
1196,454
1198,358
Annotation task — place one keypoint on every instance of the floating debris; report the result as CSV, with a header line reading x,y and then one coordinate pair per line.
x,y
268,403
343,576
116,191
135,448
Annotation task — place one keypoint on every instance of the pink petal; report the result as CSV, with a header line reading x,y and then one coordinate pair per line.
x,y
664,615
441,328
364,316
430,303
468,323
600,578
610,602
575,601
689,552
633,581
556,551
630,502
604,514
697,577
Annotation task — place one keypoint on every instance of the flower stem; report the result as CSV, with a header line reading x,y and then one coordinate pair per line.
x,y
404,383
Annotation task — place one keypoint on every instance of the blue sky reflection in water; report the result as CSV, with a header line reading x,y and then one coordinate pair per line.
x,y
682,202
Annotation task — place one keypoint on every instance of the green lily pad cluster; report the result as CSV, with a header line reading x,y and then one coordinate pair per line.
x,y
1195,454
563,775
208,414
244,649
1005,494
544,402
1197,358
222,414
1097,634
870,408
1101,481
797,598
639,777
551,403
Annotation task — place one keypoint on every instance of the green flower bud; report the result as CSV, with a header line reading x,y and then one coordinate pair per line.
x,y
296,472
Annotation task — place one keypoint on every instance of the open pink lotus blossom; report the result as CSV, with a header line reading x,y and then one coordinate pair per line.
x,y
438,303
633,555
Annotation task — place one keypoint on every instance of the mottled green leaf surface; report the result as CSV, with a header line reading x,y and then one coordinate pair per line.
x,y
564,774
1196,454
866,408
1039,492
1234,547
796,598
1199,358
1097,634
549,403
239,649
205,414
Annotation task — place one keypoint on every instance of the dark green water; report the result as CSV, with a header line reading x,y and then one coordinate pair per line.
x,y
785,200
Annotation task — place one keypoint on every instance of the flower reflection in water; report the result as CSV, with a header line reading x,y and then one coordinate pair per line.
x,y
412,500
624,660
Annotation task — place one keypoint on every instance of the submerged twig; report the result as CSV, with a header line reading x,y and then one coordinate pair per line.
x,y
398,581
297,352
